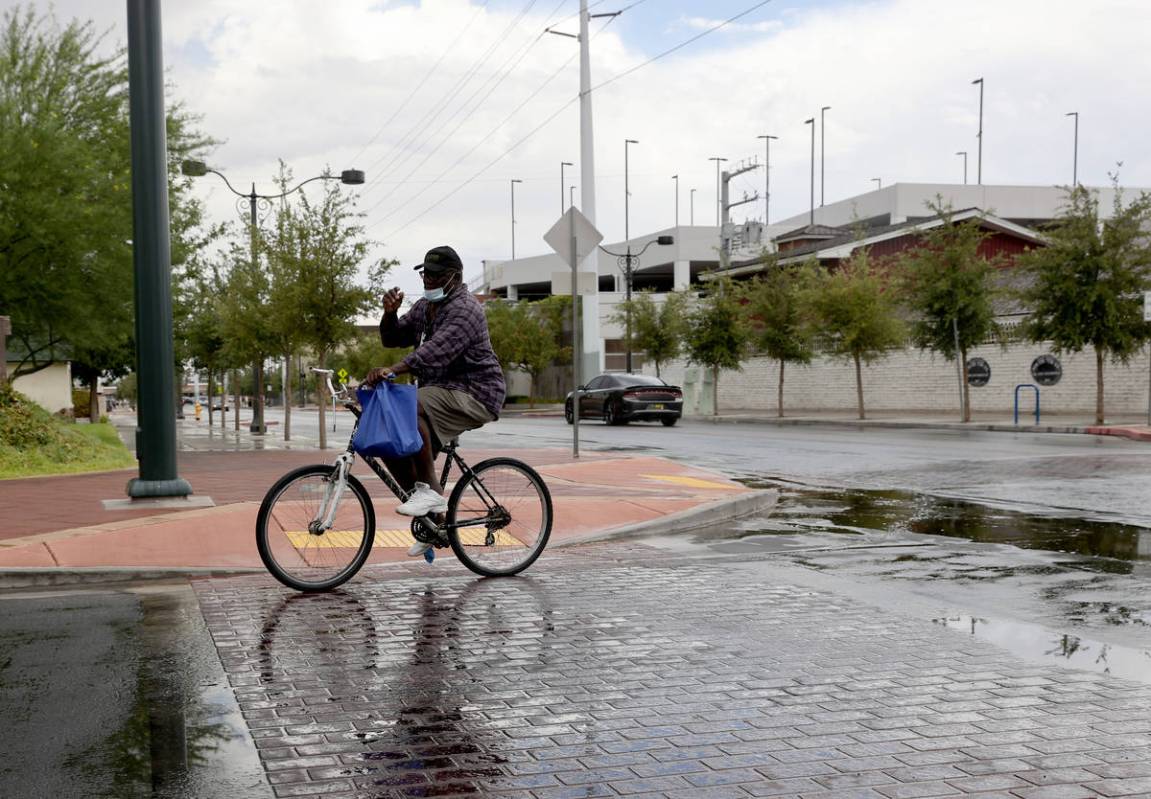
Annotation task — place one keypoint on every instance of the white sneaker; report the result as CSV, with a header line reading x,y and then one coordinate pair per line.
x,y
423,501
418,549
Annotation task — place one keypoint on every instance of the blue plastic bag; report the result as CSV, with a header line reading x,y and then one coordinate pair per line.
x,y
388,427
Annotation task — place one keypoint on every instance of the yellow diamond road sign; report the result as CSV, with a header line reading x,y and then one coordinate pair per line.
x,y
343,375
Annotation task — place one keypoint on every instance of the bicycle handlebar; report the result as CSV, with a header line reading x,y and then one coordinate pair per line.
x,y
342,393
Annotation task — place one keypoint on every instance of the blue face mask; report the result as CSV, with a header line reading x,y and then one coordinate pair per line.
x,y
437,294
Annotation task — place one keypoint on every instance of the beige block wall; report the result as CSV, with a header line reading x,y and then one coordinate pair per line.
x,y
915,380
51,388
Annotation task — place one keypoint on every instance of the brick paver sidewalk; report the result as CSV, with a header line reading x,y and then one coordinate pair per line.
x,y
613,670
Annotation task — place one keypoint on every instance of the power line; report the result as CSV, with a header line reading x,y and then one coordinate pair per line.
x,y
444,102
450,48
445,135
562,108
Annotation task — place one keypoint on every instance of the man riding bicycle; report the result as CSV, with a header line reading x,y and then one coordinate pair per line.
x,y
461,384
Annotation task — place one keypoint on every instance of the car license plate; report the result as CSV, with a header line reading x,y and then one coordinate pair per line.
x,y
657,407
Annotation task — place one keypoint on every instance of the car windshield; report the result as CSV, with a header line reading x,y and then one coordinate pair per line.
x,y
638,380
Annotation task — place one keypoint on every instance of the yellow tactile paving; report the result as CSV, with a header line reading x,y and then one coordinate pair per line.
x,y
692,482
334,539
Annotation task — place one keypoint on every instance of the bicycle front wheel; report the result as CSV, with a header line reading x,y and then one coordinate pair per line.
x,y
289,535
499,517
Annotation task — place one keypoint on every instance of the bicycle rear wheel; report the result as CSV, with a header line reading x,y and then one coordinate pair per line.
x,y
314,561
499,517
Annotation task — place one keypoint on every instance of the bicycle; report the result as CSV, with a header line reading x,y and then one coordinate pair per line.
x,y
316,526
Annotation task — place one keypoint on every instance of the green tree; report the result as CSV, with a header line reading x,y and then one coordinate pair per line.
x,y
65,191
657,330
854,315
775,314
317,249
948,286
1085,286
717,333
529,335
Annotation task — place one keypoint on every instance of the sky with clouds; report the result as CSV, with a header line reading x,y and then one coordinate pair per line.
x,y
444,102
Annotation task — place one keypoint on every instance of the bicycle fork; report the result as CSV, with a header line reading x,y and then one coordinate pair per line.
x,y
333,491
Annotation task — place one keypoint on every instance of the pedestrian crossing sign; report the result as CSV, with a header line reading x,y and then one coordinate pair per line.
x,y
343,375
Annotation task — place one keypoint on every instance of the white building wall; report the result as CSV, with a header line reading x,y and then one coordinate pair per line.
x,y
915,380
51,388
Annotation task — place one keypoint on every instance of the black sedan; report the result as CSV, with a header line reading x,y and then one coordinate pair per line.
x,y
623,398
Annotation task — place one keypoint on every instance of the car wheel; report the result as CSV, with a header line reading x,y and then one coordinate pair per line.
x,y
609,414
569,416
670,422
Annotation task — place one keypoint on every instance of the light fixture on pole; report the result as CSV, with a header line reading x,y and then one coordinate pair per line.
x,y
1075,155
625,259
979,162
562,165
718,198
822,148
691,207
964,154
767,177
878,183
811,218
514,182
191,168
676,179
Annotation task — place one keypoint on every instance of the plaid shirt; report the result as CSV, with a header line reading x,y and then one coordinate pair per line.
x,y
453,349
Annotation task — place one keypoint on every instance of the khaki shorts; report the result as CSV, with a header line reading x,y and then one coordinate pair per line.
x,y
451,412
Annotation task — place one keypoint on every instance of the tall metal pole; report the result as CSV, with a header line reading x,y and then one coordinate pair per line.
x,y
257,423
676,179
822,148
959,371
718,199
626,192
562,165
964,154
577,351
979,168
591,332
1075,157
691,207
514,182
627,238
767,177
811,218
152,260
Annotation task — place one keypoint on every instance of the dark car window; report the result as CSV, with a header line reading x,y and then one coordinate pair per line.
x,y
639,380
597,382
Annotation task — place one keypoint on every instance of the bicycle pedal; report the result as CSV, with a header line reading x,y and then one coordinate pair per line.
x,y
430,554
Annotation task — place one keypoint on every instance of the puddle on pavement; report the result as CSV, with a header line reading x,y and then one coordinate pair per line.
x,y
1037,643
863,513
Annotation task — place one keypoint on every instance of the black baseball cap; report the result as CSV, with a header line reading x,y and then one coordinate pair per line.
x,y
441,259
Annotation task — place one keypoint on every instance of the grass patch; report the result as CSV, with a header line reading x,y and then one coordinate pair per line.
x,y
33,442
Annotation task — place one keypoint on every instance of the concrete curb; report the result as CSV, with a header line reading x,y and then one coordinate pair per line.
x,y
34,577
709,515
857,424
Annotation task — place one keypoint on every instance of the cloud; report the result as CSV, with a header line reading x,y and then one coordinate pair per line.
x,y
314,84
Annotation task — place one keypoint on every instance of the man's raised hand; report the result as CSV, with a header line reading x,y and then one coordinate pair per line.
x,y
392,300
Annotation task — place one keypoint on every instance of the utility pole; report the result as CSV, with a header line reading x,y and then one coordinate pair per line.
x,y
724,239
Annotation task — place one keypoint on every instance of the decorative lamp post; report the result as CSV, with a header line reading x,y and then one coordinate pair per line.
x,y
256,202
625,259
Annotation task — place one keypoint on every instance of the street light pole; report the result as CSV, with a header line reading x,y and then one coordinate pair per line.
x,y
562,165
979,167
822,148
676,179
767,177
192,168
625,259
964,154
152,259
718,199
514,182
1075,157
811,218
627,238
626,190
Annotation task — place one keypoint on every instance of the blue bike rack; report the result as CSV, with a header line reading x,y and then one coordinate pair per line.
x,y
1027,385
